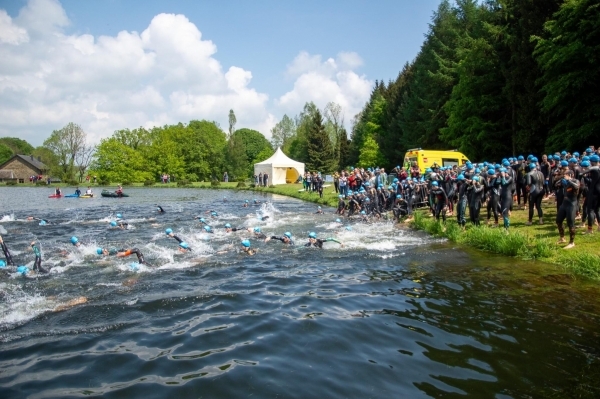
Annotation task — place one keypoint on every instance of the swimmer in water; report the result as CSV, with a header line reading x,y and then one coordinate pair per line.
x,y
69,304
201,220
246,204
7,255
313,241
159,209
209,230
183,246
263,218
256,202
257,233
319,210
246,248
286,238
75,241
37,264
43,222
229,229
140,256
112,251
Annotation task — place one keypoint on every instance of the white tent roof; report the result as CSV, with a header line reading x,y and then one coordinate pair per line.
x,y
280,160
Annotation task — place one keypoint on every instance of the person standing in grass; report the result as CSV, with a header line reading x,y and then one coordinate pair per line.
x,y
535,184
568,209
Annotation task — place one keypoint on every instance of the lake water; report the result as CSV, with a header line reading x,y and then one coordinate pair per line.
x,y
393,314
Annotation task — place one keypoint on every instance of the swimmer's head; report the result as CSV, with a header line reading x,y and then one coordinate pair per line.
x,y
119,216
246,243
338,220
288,234
113,223
2,264
22,270
257,229
74,240
227,226
42,223
99,251
168,231
312,234
184,245
207,228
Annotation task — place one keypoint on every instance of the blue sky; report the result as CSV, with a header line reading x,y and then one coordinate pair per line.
x,y
261,58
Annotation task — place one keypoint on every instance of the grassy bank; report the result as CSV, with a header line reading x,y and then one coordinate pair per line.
x,y
526,242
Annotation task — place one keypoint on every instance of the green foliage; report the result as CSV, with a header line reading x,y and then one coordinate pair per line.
x,y
67,144
117,162
215,183
11,183
17,146
149,182
237,162
5,153
183,183
569,57
320,151
283,132
126,183
40,183
241,184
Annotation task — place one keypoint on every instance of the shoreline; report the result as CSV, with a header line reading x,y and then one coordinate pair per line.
x,y
535,242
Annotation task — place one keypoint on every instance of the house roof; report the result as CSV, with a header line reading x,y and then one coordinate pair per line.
x,y
28,159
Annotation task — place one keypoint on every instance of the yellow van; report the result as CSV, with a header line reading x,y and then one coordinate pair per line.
x,y
427,158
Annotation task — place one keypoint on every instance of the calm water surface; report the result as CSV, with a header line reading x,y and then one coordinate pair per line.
x,y
393,314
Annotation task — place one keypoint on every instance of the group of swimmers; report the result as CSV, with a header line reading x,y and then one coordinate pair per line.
x,y
183,246
573,179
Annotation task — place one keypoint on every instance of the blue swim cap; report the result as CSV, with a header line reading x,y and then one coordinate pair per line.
x,y
338,220
23,270
134,266
491,172
340,196
113,223
319,207
575,154
213,214
168,231
202,220
502,170
585,164
396,180
183,245
564,163
257,229
572,160
99,251
563,153
594,158
367,199
2,264
521,158
246,243
588,151
428,170
42,223
435,184
585,158
348,228
477,170
363,212
475,178
288,234
119,216
74,240
312,234
207,228
460,177
390,188
247,201
532,165
350,192
227,226
506,163
485,164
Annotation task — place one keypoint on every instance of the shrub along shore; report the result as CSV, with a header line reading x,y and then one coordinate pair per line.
x,y
536,242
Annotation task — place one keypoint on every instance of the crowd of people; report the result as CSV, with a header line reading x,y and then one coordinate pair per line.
x,y
572,179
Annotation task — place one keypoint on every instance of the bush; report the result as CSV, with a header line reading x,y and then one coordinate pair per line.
x,y
11,183
241,184
71,183
149,183
183,183
215,183
41,183
103,182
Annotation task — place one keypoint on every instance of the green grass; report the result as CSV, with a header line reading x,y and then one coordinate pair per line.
x,y
522,241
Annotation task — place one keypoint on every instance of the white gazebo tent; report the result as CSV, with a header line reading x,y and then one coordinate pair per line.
x,y
280,168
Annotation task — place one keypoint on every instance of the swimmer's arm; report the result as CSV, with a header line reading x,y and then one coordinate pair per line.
x,y
334,240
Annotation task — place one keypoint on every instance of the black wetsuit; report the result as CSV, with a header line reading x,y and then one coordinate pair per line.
x,y
37,264
341,207
160,209
7,255
179,240
441,200
283,239
475,202
535,182
493,205
319,242
139,255
568,208
592,199
461,206
521,182
506,198
260,236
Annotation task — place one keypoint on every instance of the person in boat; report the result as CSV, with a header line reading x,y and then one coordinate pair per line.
x,y
257,233
77,192
89,191
286,238
183,246
229,229
246,248
313,241
57,191
43,222
119,191
159,209
7,255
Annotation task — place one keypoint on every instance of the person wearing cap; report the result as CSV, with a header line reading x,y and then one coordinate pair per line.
x,y
112,251
159,209
520,169
341,208
229,229
75,241
7,255
570,187
440,201
183,246
201,220
505,194
246,204
246,248
535,186
257,233
313,241
37,264
208,229
133,251
42,222
461,205
592,175
286,238
492,183
558,178
319,210
475,199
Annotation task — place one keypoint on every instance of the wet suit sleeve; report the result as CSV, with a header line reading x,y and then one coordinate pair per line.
x,y
277,238
179,240
330,239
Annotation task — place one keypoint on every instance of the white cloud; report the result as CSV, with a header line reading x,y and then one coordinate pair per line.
x,y
166,74
324,81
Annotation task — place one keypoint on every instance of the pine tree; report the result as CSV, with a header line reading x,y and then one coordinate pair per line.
x,y
320,151
343,149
